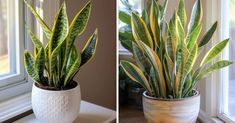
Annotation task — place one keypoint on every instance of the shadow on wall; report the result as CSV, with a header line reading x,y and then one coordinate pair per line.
x,y
98,77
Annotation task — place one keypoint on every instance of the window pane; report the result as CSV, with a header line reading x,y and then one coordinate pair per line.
x,y
229,79
4,60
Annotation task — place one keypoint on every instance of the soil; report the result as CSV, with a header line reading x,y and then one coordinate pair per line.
x,y
72,85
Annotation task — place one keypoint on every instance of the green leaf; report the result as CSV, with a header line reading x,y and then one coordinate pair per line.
x,y
46,29
182,13
196,16
72,57
40,64
133,72
178,82
207,36
60,29
190,62
126,38
73,70
90,48
29,66
192,37
140,31
154,24
154,82
141,59
77,27
216,66
37,43
124,17
156,63
170,45
214,52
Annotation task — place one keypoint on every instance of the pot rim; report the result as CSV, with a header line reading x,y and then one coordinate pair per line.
x,y
59,91
180,99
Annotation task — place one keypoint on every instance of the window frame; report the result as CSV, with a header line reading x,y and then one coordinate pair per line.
x,y
214,82
12,104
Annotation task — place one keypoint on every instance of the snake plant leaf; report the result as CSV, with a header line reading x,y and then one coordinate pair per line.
x,y
167,77
72,70
133,72
124,17
190,61
29,66
89,49
173,34
196,16
192,37
178,81
170,44
154,82
77,27
60,29
156,63
53,63
37,43
207,36
140,31
216,66
182,13
40,63
72,57
154,22
47,31
180,30
214,52
141,59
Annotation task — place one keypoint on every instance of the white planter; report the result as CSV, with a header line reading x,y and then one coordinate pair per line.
x,y
171,111
56,106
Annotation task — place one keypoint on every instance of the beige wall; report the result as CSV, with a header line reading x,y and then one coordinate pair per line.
x,y
98,77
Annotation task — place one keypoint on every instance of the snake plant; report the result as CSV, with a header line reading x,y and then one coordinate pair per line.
x,y
55,64
166,52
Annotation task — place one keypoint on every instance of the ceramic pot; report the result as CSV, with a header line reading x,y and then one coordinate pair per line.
x,y
56,106
171,110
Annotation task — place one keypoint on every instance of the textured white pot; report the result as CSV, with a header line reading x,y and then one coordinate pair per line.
x,y
56,106
171,111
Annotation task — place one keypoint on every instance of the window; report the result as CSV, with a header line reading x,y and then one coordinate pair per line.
x,y
227,104
137,5
15,85
12,43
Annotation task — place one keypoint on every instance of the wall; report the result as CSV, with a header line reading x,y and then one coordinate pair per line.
x,y
98,77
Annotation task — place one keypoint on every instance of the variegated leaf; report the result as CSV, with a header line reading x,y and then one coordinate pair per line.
x,y
133,72
196,16
156,63
29,66
207,36
90,48
40,64
140,31
216,66
192,37
47,31
182,13
214,52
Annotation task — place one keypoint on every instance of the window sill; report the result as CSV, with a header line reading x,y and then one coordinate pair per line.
x,y
15,106
89,113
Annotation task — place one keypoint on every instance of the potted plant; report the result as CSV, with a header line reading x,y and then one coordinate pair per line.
x,y
56,96
165,56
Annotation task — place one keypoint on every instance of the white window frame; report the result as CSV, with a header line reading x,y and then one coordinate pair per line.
x,y
214,12
12,104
